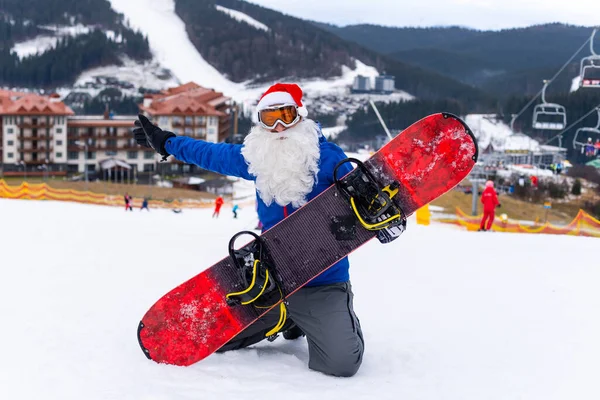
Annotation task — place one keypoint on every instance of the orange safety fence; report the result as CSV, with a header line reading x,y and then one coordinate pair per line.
x,y
42,191
582,225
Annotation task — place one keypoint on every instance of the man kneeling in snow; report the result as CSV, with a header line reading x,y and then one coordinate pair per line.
x,y
290,161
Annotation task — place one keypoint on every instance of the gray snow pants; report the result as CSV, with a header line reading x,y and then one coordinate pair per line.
x,y
326,315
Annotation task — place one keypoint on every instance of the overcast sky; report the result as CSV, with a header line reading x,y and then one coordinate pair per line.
x,y
478,14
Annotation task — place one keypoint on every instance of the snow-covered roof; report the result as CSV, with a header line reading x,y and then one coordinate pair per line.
x,y
113,162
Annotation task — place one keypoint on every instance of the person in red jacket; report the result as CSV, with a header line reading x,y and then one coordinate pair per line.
x,y
489,198
218,203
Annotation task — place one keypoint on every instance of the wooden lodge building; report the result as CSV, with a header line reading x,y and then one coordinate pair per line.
x,y
40,135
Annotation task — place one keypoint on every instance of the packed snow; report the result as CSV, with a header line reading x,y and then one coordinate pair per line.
x,y
490,131
173,49
240,16
446,314
149,75
41,43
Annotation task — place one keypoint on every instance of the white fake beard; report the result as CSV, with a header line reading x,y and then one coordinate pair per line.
x,y
285,164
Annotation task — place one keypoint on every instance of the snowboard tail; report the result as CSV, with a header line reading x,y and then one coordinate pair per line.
x,y
195,319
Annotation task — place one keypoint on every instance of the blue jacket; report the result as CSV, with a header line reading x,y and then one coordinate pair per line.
x,y
227,159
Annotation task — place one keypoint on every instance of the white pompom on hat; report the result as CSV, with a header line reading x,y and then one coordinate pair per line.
x,y
282,93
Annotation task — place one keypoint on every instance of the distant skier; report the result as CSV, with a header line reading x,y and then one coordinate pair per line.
x,y
235,210
589,149
128,201
144,205
218,204
489,198
291,162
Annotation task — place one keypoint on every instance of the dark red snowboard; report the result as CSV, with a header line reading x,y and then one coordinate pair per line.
x,y
194,320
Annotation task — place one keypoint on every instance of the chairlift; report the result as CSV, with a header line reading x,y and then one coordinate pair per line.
x,y
589,71
549,116
586,138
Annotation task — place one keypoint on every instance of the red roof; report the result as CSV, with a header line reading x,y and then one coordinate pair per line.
x,y
117,123
187,99
16,103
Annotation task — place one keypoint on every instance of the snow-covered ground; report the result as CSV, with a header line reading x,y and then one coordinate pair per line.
x,y
173,49
446,314
240,16
149,75
41,43
488,131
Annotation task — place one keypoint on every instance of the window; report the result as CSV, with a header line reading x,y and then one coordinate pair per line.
x,y
91,155
58,130
188,131
10,155
176,131
163,121
110,153
73,155
132,154
72,168
186,168
200,120
148,155
10,142
58,155
148,167
174,167
176,120
201,131
188,120
9,131
59,142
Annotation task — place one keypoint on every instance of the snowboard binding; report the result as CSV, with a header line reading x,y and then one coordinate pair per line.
x,y
257,272
372,205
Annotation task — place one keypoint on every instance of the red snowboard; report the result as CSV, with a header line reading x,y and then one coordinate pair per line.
x,y
194,320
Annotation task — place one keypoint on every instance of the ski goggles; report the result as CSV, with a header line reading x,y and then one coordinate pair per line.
x,y
286,115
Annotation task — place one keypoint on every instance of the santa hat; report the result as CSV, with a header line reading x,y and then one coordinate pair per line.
x,y
282,93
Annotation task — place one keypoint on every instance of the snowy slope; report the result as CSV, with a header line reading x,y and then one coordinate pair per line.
x,y
240,16
490,131
41,43
484,316
173,49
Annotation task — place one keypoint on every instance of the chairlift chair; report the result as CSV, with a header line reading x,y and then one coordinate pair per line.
x,y
589,71
585,133
549,116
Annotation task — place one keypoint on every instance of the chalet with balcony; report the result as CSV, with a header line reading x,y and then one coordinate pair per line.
x,y
33,133
190,110
41,135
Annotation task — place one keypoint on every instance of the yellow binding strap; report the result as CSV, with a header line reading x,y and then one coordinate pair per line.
x,y
252,285
372,227
282,318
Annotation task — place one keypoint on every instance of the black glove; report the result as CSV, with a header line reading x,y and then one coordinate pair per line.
x,y
499,205
149,135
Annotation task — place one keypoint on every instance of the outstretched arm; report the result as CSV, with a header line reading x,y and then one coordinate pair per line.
x,y
222,158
